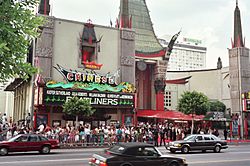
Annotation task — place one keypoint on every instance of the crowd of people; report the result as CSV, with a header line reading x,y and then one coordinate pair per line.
x,y
85,134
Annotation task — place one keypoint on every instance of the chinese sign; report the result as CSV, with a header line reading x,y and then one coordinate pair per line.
x,y
88,77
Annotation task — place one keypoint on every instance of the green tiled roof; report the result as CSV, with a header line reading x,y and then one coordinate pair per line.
x,y
146,41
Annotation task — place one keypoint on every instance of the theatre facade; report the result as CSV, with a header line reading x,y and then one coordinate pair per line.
x,y
120,69
79,59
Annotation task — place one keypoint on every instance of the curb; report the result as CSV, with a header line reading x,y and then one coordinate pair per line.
x,y
81,146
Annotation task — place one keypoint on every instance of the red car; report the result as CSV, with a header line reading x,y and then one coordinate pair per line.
x,y
28,142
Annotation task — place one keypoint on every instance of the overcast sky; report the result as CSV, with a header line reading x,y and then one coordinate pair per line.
x,y
208,20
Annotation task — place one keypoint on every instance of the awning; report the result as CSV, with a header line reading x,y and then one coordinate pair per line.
x,y
173,115
15,84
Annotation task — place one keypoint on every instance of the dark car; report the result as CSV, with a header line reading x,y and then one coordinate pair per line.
x,y
28,142
201,142
134,154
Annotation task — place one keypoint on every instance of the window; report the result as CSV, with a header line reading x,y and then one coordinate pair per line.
x,y
199,138
206,138
43,138
22,139
117,149
167,99
147,151
33,138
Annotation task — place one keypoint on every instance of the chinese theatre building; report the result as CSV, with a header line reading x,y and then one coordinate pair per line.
x,y
120,69
87,61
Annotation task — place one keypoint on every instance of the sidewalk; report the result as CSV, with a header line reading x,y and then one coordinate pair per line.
x,y
105,145
237,141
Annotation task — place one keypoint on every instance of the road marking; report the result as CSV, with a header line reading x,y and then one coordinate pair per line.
x,y
45,156
217,161
41,161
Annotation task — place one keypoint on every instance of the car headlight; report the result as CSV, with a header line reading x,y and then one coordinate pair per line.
x,y
177,145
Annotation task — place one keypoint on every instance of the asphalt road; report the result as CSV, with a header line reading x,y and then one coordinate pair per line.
x,y
235,155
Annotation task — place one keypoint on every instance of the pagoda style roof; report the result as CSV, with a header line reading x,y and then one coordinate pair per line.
x,y
146,42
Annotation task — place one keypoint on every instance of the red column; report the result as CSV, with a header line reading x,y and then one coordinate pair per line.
x,y
34,120
160,101
246,128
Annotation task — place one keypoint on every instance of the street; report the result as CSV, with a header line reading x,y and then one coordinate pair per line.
x,y
235,155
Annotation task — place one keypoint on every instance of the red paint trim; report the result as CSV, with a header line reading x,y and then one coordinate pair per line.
x,y
34,125
231,129
92,65
49,124
160,53
245,104
176,82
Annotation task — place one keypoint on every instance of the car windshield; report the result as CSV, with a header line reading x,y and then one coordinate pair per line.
x,y
116,149
159,152
189,138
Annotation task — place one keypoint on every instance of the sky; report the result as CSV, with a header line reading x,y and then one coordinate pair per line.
x,y
208,20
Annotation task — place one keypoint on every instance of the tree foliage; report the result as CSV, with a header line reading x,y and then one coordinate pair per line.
x,y
193,103
76,106
18,25
217,106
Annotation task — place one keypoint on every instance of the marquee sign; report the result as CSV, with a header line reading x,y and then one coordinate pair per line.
x,y
103,99
88,77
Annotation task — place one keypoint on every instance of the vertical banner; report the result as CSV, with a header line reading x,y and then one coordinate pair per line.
x,y
235,127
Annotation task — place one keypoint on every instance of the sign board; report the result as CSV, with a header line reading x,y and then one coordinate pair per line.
x,y
235,127
88,77
103,99
189,40
216,116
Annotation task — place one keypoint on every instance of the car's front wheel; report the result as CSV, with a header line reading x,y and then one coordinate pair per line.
x,y
217,149
45,149
185,149
3,151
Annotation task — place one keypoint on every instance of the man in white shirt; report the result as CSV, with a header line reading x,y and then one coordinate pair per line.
x,y
41,128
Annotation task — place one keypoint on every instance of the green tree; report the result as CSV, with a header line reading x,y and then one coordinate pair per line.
x,y
76,106
193,103
217,106
18,26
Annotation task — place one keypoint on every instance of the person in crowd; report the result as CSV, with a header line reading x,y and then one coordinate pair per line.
x,y
28,119
216,132
162,136
119,135
4,119
87,133
174,133
101,135
9,134
156,136
41,128
225,133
